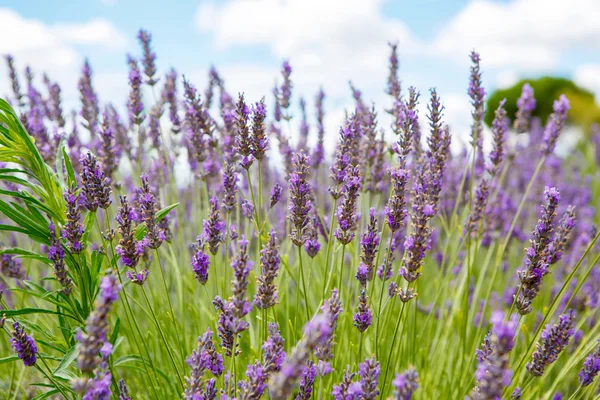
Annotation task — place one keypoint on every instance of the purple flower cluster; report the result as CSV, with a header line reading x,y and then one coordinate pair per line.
x,y
213,227
129,249
369,243
95,186
590,369
148,207
405,384
555,124
369,378
73,228
24,345
56,254
324,352
200,260
554,340
346,212
525,106
300,199
363,317
204,358
266,292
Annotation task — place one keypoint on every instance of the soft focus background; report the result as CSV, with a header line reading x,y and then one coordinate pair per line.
x,y
328,42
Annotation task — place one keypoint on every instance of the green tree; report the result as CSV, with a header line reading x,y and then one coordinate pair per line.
x,y
584,110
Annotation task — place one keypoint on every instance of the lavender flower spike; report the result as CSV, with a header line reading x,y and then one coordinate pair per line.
x,y
285,93
590,369
89,100
214,227
369,244
526,105
369,373
200,261
363,317
562,235
405,384
266,293
275,195
307,381
95,186
94,337
124,391
300,203
499,129
555,124
148,207
395,209
149,57
260,141
73,229
56,254
135,106
493,373
332,308
204,358
24,345
346,212
230,188
282,384
129,249
393,83
536,262
554,340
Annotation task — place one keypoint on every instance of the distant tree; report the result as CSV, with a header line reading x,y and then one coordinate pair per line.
x,y
584,110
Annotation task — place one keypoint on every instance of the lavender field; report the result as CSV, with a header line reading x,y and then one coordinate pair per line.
x,y
193,245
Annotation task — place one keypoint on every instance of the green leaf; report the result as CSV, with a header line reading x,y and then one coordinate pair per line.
x,y
27,311
69,167
65,363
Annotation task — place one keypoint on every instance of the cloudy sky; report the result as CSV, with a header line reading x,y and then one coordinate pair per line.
x,y
328,42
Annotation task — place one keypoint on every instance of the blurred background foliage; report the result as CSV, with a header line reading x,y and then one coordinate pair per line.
x,y
584,110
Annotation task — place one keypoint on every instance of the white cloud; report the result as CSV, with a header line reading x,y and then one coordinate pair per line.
x,y
588,76
92,33
523,34
51,48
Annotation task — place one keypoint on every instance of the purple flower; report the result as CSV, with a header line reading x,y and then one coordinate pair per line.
x,y
230,188
316,332
205,357
363,317
129,249
562,235
307,381
108,154
526,105
200,261
393,83
138,278
12,267
14,79
24,345
169,96
312,245
405,384
229,325
135,105
395,209
346,212
285,93
319,150
536,261
555,124
242,266
266,293
275,195
56,254
554,340
499,129
95,186
479,208
243,139
123,391
256,385
89,100
516,394
260,141
214,227
149,57
247,209
197,124
332,308
493,372
347,390
369,376
148,207
273,350
590,369
300,199
91,341
477,94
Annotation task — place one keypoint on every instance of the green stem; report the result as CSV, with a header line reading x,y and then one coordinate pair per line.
x,y
306,306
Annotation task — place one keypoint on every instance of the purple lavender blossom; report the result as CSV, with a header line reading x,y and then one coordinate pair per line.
x,y
91,341
332,308
526,105
536,262
369,243
56,254
12,267
197,124
124,391
555,124
312,245
214,227
148,207
95,186
319,150
200,260
14,80
300,199
591,367
395,209
230,188
204,358
260,141
405,384
493,372
363,317
477,94
275,195
316,332
243,138
108,155
369,378
149,57
554,340
562,235
273,351
346,212
266,292
247,209
393,83
135,105
138,278
241,269
169,95
347,390
516,394
479,208
229,325
285,93
499,129
307,381
89,99
24,345
129,249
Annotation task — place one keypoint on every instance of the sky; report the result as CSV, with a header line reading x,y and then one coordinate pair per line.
x,y
328,43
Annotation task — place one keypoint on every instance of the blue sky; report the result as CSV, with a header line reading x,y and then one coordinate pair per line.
x,y
328,42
